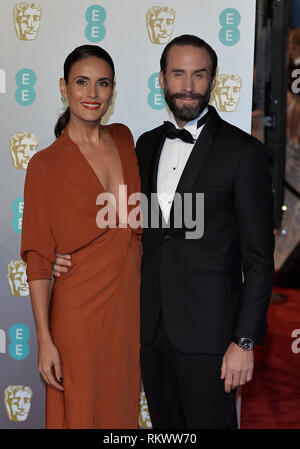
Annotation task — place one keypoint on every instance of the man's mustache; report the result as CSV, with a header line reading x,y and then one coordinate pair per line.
x,y
191,96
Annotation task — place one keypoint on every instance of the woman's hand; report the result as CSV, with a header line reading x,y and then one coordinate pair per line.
x,y
49,365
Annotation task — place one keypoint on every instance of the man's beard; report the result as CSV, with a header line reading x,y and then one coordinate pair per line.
x,y
186,113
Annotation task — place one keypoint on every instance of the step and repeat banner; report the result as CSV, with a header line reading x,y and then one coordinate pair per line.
x,y
36,37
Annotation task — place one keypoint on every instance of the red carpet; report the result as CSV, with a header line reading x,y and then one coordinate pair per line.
x,y
272,399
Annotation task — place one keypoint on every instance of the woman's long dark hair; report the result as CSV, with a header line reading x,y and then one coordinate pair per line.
x,y
79,53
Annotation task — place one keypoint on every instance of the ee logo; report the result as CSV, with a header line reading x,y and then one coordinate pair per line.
x,y
95,30
19,348
17,208
156,97
229,34
25,80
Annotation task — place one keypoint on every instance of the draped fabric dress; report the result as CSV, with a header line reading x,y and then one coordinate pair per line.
x,y
94,308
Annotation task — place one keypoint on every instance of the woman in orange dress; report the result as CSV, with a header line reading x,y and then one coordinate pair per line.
x,y
88,334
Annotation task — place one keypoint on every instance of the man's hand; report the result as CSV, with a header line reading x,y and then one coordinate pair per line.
x,y
63,261
237,367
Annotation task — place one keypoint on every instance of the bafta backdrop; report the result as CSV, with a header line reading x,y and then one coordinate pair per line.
x,y
36,37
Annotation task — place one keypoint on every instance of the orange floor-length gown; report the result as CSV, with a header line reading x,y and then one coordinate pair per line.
x,y
94,308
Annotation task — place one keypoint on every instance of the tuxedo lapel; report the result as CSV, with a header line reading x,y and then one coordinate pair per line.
x,y
199,153
193,165
158,146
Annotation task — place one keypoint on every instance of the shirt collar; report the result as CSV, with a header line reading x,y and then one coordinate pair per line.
x,y
191,126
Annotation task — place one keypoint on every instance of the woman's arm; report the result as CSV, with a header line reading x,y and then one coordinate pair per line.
x,y
49,362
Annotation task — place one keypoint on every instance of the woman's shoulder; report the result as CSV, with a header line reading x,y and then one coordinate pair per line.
x,y
48,154
118,129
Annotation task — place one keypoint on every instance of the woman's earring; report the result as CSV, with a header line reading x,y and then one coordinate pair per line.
x,y
65,102
110,102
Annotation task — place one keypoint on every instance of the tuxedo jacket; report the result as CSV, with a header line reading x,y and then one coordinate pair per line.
x,y
210,289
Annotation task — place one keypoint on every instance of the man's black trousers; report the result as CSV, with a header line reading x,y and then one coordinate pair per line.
x,y
184,391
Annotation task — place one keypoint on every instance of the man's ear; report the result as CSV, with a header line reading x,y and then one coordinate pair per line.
x,y
63,88
161,80
213,84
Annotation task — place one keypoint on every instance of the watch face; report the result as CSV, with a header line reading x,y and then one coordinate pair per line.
x,y
247,343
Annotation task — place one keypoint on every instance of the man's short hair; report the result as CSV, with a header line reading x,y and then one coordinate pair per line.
x,y
195,41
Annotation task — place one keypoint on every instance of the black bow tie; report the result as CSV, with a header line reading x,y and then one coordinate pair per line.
x,y
172,132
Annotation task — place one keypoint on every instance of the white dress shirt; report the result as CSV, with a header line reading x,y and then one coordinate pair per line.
x,y
174,156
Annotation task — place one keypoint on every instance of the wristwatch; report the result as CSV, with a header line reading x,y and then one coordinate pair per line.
x,y
245,343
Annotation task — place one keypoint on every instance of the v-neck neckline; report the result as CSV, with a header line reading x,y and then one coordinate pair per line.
x,y
89,166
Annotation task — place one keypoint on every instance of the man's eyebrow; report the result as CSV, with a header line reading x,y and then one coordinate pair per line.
x,y
195,71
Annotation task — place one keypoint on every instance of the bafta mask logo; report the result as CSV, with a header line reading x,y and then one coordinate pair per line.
x,y
144,416
17,400
27,18
227,92
22,148
17,279
160,21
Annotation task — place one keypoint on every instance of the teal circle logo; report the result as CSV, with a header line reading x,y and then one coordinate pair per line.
x,y
156,98
25,94
229,34
95,30
17,208
19,348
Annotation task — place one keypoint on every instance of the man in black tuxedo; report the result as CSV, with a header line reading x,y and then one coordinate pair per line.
x,y
199,318
204,290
